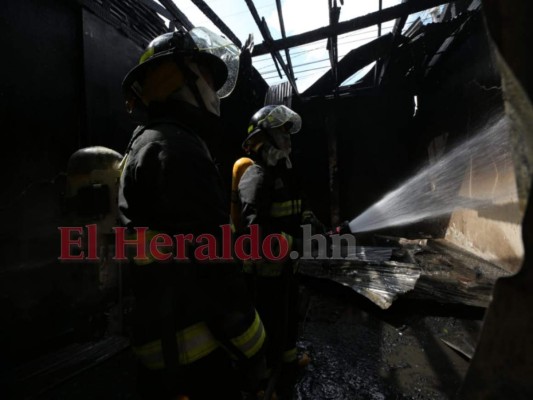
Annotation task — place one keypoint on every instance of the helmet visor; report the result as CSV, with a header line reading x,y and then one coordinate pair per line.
x,y
282,115
219,46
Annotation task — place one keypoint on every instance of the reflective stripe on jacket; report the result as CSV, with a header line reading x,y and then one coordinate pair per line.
x,y
270,199
286,208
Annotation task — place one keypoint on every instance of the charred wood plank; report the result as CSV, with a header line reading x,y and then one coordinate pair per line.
x,y
157,8
351,63
283,35
177,15
215,19
265,32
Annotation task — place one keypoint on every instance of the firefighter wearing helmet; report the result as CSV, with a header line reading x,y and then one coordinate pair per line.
x,y
270,197
193,321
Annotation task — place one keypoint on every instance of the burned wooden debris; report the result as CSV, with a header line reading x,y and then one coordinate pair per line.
x,y
422,269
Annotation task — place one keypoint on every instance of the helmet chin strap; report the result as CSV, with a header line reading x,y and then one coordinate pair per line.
x,y
196,91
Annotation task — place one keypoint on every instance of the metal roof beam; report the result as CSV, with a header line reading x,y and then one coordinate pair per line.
x,y
177,15
397,34
267,40
157,8
215,19
265,35
282,27
410,7
334,14
350,64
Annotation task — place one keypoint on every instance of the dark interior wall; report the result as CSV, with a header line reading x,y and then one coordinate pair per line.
x,y
310,157
371,154
40,89
59,91
502,364
107,57
460,96
41,103
462,92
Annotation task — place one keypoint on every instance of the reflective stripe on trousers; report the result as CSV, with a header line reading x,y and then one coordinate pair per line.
x,y
194,342
251,341
289,355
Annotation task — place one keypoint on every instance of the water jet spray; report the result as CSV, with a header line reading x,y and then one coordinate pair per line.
x,y
435,190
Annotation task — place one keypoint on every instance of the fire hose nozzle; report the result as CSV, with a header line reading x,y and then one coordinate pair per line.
x,y
340,230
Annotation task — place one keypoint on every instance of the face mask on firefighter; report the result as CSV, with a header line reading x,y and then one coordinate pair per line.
x,y
281,139
273,155
204,86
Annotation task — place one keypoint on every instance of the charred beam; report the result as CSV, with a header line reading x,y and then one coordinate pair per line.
x,y
282,27
275,61
215,19
334,14
267,38
350,64
157,8
399,25
448,13
397,34
412,6
259,24
380,9
277,57
177,15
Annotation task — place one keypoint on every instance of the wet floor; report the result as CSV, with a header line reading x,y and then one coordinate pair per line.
x,y
362,352
358,350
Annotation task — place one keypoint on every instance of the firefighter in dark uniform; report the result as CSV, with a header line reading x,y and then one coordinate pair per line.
x,y
270,198
194,325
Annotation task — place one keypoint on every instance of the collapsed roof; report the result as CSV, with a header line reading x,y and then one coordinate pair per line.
x,y
418,34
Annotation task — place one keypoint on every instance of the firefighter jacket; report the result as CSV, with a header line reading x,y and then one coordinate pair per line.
x,y
184,309
270,198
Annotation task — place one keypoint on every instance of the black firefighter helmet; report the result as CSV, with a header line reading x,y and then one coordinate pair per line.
x,y
199,44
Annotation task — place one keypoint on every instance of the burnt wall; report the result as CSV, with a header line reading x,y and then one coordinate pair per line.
x,y
457,99
41,89
59,91
310,157
462,92
107,57
371,153
461,99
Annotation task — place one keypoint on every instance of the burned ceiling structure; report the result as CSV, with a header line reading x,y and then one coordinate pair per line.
x,y
401,54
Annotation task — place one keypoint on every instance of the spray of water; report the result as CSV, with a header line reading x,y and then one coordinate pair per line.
x,y
436,189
